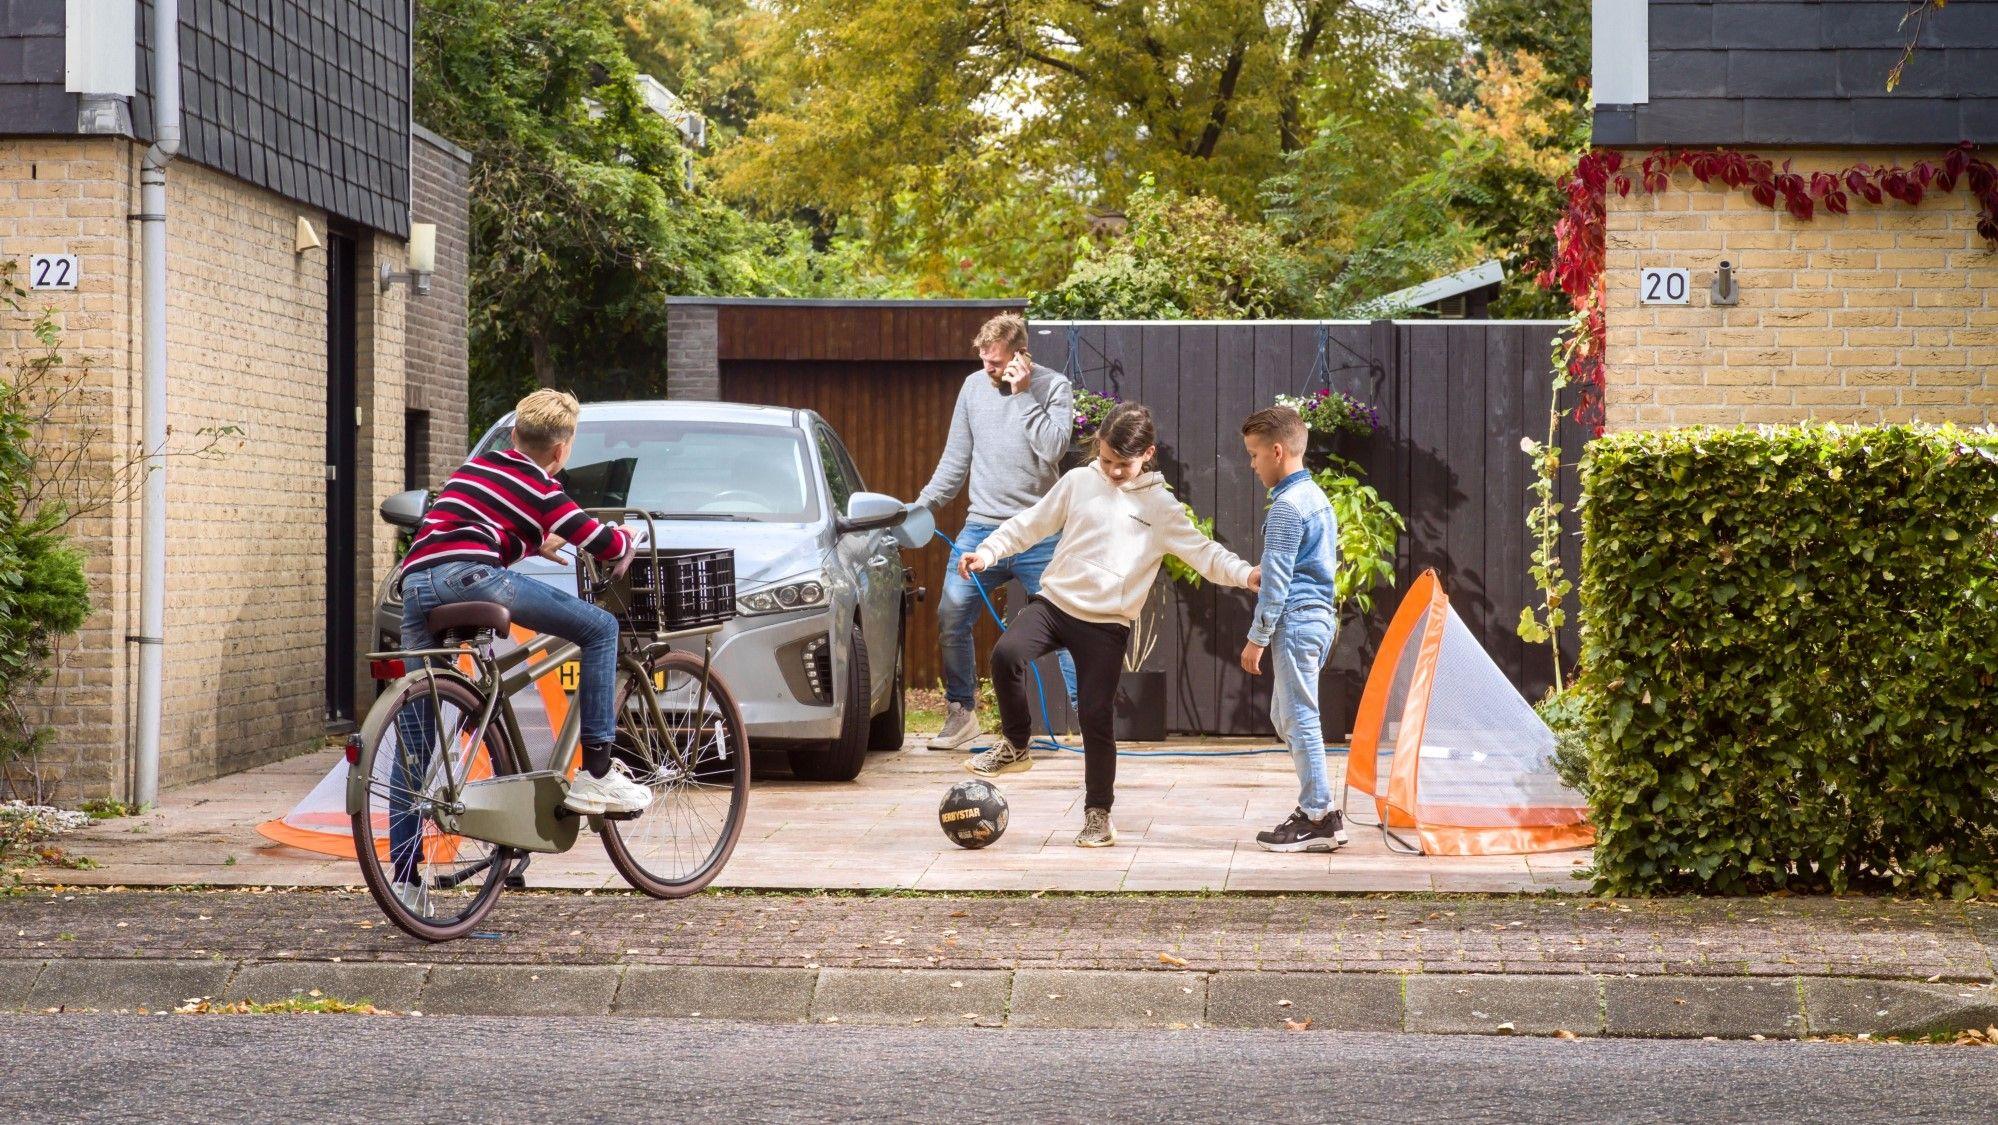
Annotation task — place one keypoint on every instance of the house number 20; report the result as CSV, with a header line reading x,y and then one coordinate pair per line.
x,y
1662,287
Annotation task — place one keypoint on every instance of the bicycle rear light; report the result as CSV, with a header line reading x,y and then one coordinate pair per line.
x,y
386,669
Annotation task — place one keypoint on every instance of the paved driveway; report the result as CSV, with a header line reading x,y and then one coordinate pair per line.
x,y
1184,823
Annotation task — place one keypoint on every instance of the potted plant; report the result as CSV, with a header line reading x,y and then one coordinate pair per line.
x,y
1141,692
1090,410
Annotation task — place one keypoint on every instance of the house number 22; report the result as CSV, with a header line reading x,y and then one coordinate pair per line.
x,y
52,271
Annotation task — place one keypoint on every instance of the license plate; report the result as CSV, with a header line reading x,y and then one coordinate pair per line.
x,y
570,676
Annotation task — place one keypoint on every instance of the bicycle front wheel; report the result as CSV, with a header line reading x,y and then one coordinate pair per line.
x,y
694,757
432,883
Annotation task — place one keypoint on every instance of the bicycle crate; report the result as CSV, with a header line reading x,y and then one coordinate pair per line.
x,y
686,589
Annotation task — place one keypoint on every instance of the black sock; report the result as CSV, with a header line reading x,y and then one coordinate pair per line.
x,y
596,759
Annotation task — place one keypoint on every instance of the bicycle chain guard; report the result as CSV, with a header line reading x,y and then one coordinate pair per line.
x,y
522,810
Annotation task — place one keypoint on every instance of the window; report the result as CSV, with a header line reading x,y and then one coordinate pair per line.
x,y
415,448
746,472
841,477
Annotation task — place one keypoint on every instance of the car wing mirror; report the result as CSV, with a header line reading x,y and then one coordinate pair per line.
x,y
918,527
405,509
870,511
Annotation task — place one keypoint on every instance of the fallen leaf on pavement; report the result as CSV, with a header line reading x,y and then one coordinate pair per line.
x,y
1169,959
1564,1033
1298,1025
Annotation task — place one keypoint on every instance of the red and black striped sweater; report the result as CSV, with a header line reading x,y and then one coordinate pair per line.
x,y
499,508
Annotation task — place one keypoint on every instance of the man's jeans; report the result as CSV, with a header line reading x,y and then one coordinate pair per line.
x,y
534,605
1300,647
961,607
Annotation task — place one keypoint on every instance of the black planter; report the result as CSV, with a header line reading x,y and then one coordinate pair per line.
x,y
1141,707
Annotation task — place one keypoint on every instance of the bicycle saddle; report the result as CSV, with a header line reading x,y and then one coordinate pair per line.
x,y
469,617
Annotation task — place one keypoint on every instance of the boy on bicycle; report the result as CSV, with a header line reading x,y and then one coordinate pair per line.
x,y
494,511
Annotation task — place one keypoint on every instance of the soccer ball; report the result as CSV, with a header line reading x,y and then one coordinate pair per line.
x,y
973,814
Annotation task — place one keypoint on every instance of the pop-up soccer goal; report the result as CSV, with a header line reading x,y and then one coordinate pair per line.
x,y
319,822
1455,760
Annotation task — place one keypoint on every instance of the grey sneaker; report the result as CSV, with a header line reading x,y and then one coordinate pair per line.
x,y
1096,831
1004,757
414,896
960,728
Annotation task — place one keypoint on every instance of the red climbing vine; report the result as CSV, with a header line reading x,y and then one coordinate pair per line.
x,y
1579,260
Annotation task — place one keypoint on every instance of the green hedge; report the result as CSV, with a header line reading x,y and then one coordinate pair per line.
x,y
1790,647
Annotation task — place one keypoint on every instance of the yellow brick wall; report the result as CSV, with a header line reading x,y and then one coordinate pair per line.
x,y
246,532
1887,314
72,196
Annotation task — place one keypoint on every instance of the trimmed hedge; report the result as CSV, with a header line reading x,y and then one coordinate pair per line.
x,y
1790,652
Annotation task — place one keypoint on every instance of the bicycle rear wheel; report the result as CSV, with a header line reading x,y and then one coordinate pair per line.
x,y
695,759
433,884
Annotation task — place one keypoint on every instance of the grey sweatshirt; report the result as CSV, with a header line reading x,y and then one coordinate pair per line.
x,y
1010,446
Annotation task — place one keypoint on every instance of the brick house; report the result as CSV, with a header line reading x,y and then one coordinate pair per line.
x,y
1886,313
296,186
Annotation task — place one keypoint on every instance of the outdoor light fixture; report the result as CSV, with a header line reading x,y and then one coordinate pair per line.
x,y
422,259
306,238
1725,291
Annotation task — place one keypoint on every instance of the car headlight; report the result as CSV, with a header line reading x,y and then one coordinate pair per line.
x,y
805,593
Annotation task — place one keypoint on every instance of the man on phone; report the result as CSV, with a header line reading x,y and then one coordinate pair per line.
x,y
1013,421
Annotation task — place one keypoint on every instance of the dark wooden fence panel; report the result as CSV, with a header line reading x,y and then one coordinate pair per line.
x,y
1455,398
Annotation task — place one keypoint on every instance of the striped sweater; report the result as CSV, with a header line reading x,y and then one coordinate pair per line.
x,y
499,508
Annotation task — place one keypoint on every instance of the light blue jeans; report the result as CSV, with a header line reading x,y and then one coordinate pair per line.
x,y
535,606
960,608
1299,649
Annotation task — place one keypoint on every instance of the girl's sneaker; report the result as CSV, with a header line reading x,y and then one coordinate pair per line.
x,y
1004,757
1302,834
1096,831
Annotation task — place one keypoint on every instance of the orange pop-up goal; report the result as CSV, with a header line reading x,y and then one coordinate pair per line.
x,y
1454,759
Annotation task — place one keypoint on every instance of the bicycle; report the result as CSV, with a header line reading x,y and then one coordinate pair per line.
x,y
439,789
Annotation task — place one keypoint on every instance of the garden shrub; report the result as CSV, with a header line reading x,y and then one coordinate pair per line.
x,y
1790,657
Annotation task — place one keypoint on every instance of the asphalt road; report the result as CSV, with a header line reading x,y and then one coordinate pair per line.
x,y
226,1068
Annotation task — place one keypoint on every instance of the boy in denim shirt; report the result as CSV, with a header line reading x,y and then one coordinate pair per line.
x,y
1296,615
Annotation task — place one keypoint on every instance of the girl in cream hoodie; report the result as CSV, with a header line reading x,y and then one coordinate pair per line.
x,y
1117,522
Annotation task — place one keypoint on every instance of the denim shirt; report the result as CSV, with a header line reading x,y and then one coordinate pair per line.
x,y
1300,554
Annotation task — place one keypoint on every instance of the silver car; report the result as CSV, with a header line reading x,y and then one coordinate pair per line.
x,y
814,656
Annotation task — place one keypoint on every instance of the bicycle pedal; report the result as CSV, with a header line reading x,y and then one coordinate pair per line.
x,y
623,815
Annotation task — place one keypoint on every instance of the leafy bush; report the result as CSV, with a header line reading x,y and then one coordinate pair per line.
x,y
1790,649
1184,256
43,593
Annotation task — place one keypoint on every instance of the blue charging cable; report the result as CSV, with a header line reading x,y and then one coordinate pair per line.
x,y
1049,742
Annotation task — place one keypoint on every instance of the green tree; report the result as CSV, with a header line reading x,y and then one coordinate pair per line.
x,y
907,123
582,220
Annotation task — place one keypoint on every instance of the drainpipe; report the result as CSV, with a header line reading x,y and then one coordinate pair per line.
x,y
152,534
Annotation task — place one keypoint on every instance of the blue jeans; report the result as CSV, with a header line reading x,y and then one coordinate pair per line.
x,y
961,605
1299,648
535,606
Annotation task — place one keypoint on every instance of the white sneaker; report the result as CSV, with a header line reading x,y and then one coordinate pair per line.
x,y
960,728
615,792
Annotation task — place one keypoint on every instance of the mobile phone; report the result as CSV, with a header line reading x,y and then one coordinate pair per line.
x,y
1005,383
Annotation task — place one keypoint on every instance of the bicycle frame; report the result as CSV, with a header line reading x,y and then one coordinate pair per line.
x,y
495,679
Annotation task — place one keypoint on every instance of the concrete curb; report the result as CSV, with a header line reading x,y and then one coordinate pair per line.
x,y
1439,1003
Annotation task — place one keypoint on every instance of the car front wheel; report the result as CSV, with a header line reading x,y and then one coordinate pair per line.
x,y
843,756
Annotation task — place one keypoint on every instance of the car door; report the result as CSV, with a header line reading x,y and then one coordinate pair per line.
x,y
875,562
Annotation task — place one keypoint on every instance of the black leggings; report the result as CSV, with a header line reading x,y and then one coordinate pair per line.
x,y
1098,650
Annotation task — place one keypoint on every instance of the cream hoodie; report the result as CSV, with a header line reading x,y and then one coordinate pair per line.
x,y
1112,539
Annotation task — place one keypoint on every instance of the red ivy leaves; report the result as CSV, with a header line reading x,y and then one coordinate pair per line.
x,y
1577,269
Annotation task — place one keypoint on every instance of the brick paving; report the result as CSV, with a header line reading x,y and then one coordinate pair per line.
x,y
1183,824
1772,937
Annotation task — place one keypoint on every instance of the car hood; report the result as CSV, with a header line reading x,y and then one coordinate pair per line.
x,y
764,552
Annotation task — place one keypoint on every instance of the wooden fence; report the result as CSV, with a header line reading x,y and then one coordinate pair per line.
x,y
1455,397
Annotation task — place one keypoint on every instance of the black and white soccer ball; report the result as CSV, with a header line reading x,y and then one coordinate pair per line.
x,y
973,813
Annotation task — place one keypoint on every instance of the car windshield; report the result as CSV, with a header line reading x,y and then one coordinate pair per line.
x,y
689,470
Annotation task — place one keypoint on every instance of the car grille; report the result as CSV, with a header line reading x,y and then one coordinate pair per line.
x,y
818,668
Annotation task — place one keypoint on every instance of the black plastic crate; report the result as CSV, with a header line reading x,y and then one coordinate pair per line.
x,y
689,589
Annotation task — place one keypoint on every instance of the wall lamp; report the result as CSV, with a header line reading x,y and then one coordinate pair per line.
x,y
422,259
